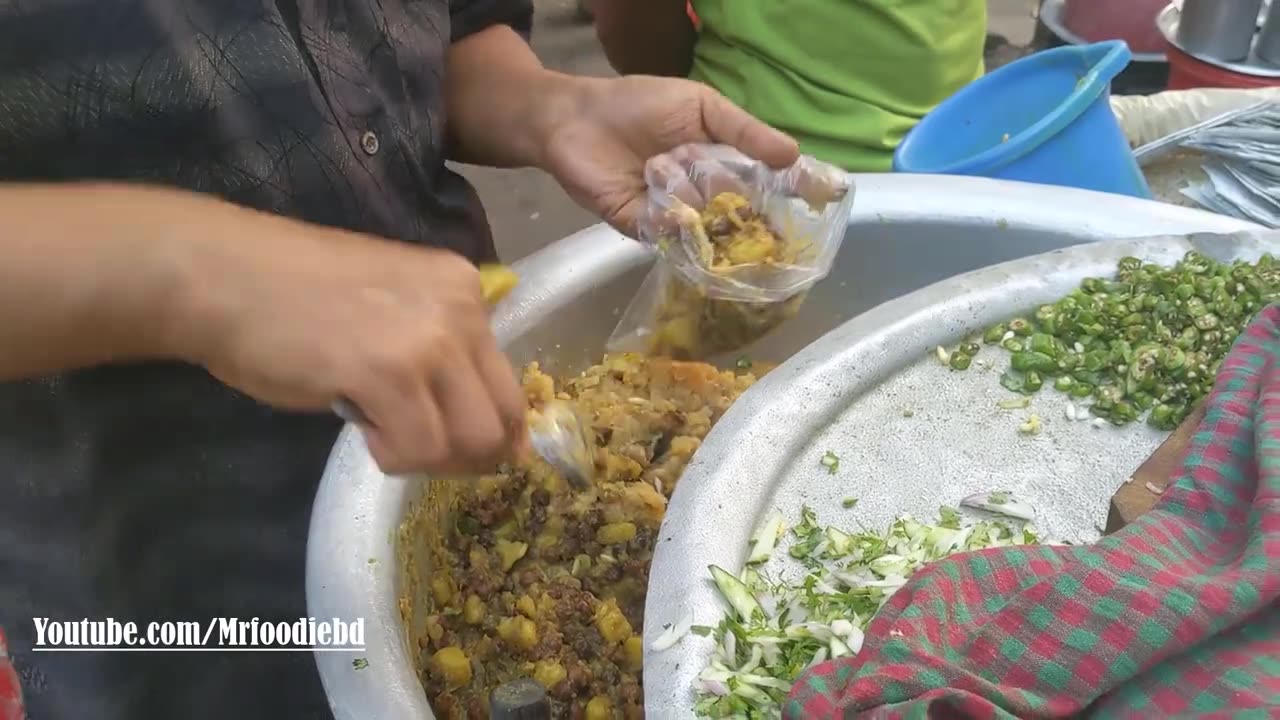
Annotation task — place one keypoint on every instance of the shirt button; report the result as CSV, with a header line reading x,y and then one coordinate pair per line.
x,y
369,143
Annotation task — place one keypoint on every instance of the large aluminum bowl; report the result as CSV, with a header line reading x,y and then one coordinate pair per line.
x,y
906,232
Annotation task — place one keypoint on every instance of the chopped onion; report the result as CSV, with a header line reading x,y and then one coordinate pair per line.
x,y
764,681
713,687
764,541
831,462
1016,403
1000,502
838,648
754,660
673,634
854,639
776,629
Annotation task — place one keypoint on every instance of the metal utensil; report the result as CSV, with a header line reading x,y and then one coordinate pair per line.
x,y
1220,29
522,699
1267,46
557,434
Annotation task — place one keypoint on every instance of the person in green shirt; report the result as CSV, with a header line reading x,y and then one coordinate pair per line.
x,y
846,78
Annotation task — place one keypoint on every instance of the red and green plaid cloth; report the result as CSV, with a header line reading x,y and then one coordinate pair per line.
x,y
1174,616
10,692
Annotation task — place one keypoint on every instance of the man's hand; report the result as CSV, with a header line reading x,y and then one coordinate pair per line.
x,y
600,140
295,315
305,316
594,135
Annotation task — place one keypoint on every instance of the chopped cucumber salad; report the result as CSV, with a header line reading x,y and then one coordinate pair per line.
x,y
777,629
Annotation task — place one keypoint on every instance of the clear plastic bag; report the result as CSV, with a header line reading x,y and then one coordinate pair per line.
x,y
739,246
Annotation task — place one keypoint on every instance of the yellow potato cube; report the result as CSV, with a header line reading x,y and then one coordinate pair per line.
x,y
548,673
612,624
509,553
453,665
442,589
633,652
520,632
616,533
599,708
526,606
473,610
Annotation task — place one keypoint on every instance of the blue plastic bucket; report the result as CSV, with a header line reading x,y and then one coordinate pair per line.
x,y
1045,118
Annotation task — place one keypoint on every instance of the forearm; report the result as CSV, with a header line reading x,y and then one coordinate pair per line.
x,y
89,275
500,100
646,37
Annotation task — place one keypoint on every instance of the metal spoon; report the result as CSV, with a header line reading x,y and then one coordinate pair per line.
x,y
557,434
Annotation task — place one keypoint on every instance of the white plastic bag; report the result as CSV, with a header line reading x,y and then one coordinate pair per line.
x,y
739,245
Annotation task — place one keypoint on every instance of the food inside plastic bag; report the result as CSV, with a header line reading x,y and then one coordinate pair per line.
x,y
739,247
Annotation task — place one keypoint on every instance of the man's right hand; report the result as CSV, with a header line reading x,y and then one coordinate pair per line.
x,y
296,315
299,316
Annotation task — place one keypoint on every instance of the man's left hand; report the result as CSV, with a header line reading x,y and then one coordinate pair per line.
x,y
606,129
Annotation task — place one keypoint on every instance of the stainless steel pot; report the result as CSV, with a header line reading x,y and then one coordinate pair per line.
x,y
1267,45
906,232
1220,29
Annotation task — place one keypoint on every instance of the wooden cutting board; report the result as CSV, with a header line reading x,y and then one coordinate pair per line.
x,y
1153,476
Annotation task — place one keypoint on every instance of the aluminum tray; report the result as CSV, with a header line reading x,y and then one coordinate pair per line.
x,y
907,231
847,393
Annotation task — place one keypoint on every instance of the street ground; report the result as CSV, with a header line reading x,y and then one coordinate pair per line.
x,y
528,210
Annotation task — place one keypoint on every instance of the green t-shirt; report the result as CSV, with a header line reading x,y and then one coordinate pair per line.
x,y
847,78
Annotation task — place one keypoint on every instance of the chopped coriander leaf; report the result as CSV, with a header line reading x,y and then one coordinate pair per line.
x,y
744,363
360,663
848,502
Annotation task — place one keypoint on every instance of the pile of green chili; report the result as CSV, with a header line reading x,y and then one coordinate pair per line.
x,y
1151,339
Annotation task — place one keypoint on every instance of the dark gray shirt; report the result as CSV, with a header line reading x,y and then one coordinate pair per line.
x,y
153,493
